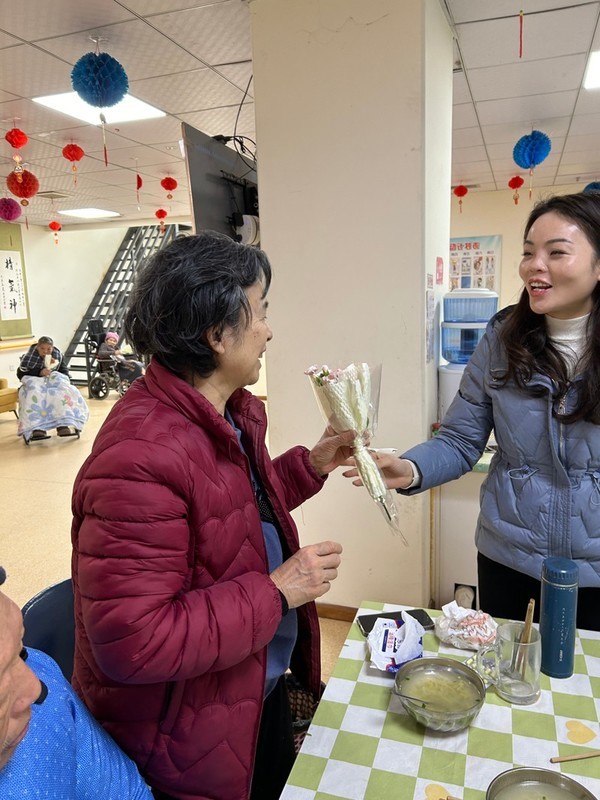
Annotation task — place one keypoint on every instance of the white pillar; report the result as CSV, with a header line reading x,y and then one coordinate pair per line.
x,y
353,113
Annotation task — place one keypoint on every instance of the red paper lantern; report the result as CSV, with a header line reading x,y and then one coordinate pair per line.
x,y
169,184
460,191
23,185
55,227
72,152
16,138
160,215
516,183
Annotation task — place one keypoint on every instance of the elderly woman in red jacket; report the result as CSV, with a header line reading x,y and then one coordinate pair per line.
x,y
193,596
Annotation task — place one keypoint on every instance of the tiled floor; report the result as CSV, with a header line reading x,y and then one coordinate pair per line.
x,y
35,519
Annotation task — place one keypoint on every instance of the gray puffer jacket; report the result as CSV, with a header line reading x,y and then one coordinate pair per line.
x,y
542,493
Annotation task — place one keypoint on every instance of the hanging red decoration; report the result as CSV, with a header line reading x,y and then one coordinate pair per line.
x,y
160,215
16,138
521,33
516,183
23,185
72,152
138,185
55,227
169,184
460,191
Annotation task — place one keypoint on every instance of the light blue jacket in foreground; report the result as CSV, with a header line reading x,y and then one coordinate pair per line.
x,y
65,754
541,496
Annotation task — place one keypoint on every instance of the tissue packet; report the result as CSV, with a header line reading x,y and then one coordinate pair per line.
x,y
464,627
393,643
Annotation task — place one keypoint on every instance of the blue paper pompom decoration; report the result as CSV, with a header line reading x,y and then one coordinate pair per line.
x,y
592,187
532,149
99,80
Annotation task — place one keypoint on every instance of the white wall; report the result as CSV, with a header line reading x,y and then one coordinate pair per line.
x,y
347,224
61,280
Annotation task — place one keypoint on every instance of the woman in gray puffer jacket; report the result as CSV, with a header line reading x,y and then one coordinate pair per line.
x,y
534,380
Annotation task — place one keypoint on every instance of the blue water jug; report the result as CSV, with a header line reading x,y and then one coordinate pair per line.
x,y
558,616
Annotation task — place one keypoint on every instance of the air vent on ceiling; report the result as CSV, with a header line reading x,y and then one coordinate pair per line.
x,y
454,185
54,195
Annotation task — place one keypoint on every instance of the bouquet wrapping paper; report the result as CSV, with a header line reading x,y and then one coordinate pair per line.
x,y
348,399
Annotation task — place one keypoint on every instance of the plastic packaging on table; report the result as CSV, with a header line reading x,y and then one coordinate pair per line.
x,y
464,627
394,642
349,400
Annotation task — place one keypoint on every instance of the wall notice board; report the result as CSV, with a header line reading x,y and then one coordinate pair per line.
x,y
14,302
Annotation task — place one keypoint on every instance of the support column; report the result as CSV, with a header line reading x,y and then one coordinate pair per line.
x,y
353,113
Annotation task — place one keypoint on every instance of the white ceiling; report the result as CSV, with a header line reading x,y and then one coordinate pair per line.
x,y
192,59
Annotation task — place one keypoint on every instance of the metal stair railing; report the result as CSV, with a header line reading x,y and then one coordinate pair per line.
x,y
109,303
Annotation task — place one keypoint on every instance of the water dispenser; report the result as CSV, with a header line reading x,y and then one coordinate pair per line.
x,y
466,314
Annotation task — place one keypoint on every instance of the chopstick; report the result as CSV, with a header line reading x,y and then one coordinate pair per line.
x,y
451,797
525,638
575,757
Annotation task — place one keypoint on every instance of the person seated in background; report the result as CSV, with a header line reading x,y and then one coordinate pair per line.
x,y
128,369
47,399
50,745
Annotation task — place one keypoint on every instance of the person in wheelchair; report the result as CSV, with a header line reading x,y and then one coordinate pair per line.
x,y
128,369
47,399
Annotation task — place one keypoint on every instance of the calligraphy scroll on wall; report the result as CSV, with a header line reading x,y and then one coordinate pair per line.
x,y
14,303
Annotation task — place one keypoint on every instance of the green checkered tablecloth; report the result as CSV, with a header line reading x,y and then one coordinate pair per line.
x,y
363,746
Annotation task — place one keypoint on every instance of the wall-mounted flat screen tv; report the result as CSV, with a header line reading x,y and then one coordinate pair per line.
x,y
223,183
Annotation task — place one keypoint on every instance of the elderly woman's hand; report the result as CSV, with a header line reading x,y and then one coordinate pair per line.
x,y
331,451
308,573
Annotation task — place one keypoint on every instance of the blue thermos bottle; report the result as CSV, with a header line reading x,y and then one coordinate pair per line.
x,y
558,616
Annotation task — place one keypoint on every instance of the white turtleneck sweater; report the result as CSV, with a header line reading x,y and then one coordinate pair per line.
x,y
570,337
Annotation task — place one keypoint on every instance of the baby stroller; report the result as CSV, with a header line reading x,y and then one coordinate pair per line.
x,y
103,375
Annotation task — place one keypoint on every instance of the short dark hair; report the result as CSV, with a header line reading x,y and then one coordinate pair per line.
x,y
45,340
193,285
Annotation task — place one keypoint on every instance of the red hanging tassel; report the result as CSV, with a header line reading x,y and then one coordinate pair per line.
x,y
521,33
103,121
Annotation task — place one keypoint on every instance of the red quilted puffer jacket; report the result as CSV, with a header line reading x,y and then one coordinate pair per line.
x,y
174,607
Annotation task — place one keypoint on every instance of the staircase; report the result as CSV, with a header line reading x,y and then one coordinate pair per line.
x,y
110,301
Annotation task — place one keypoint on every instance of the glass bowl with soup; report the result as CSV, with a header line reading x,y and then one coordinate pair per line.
x,y
440,693
533,783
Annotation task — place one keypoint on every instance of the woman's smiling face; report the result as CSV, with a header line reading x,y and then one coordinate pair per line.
x,y
559,268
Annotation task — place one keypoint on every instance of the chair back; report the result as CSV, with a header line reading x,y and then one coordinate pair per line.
x,y
49,622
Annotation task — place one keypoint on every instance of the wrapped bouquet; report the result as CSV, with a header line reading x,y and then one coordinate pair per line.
x,y
349,399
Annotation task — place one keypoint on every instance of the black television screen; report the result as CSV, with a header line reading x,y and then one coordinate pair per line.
x,y
222,183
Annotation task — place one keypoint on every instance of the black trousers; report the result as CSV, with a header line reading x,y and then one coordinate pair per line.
x,y
275,752
504,592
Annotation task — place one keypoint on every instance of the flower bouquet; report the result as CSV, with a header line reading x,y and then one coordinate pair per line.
x,y
349,399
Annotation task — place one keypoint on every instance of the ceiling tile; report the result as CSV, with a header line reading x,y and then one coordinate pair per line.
x,y
142,51
34,72
59,17
466,137
562,32
201,30
511,132
221,121
196,90
532,110
468,11
146,8
527,78
464,116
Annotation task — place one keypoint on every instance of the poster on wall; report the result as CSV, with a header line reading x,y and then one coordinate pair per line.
x,y
475,262
13,304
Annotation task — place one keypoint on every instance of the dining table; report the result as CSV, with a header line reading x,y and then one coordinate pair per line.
x,y
362,745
